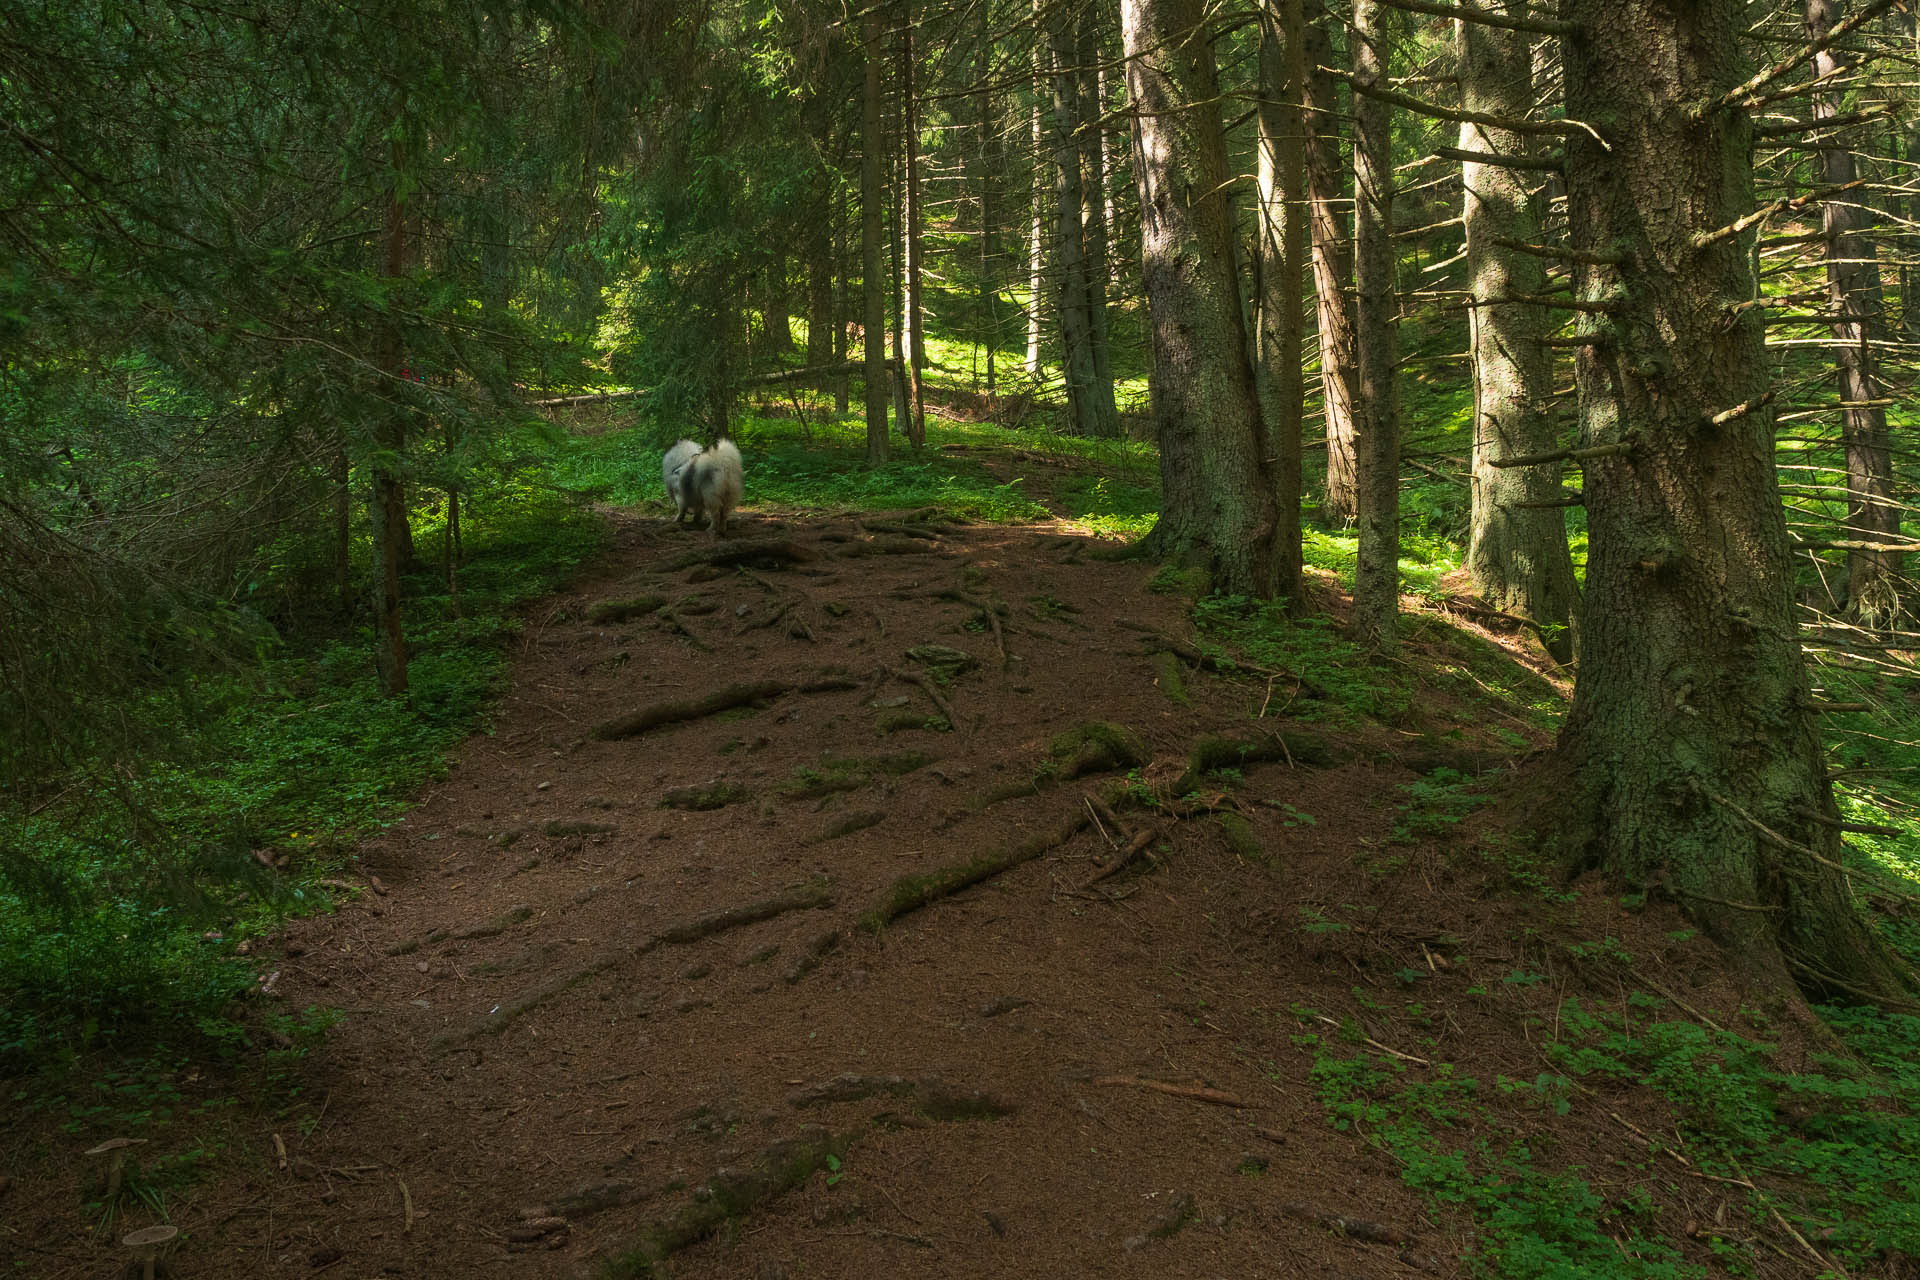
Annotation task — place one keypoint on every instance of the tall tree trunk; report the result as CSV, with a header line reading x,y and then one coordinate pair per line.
x,y
1376,451
842,310
820,326
914,319
1036,237
1105,417
1853,291
1279,329
1109,170
1517,550
1069,251
1696,763
776,307
872,283
1217,506
1332,271
989,301
387,512
343,524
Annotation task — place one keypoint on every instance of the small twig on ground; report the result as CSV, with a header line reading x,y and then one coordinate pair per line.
x,y
1198,1093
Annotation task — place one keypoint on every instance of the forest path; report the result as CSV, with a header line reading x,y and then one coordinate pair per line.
x,y
581,1022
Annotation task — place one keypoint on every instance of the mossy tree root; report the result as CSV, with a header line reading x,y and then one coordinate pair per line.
x,y
910,893
818,893
758,549
678,711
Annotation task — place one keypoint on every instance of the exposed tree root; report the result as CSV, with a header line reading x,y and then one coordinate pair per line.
x,y
623,610
730,1193
824,944
885,545
1260,746
758,549
932,691
661,714
703,796
1131,852
932,1097
674,622
1158,641
851,823
1198,1093
503,1015
901,530
910,893
1364,1231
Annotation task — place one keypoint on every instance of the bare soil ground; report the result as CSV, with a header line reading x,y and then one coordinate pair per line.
x,y
583,1021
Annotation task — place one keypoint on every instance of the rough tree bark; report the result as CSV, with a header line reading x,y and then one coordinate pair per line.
x,y
1279,328
872,283
1093,168
1332,270
1036,236
1069,250
1217,505
1517,549
1376,451
1695,761
989,300
1853,291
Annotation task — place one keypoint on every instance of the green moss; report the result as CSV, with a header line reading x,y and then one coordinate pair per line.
x,y
704,796
1096,746
1171,677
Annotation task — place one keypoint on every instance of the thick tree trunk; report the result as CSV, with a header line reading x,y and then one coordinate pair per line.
x,y
1217,508
1376,451
387,512
1279,329
1853,291
1332,271
1036,237
1069,251
1517,552
1696,762
1105,412
872,283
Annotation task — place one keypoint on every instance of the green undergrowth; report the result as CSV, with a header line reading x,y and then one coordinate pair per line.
x,y
122,907
819,465
1833,1149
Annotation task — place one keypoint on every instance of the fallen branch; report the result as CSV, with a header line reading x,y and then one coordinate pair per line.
x,y
1198,1093
661,714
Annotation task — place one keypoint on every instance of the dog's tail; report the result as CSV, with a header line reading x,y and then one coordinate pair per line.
x,y
726,455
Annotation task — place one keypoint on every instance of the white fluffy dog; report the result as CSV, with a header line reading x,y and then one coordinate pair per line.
x,y
708,484
672,467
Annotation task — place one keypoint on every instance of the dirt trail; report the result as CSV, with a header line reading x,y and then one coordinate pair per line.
x,y
581,1023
